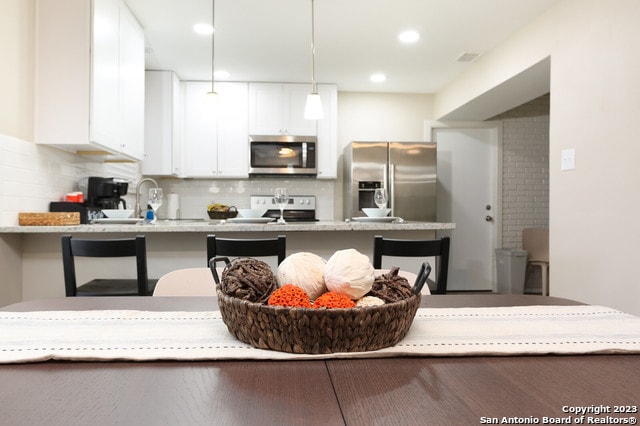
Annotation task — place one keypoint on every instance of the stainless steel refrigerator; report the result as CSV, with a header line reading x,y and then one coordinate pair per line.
x,y
406,169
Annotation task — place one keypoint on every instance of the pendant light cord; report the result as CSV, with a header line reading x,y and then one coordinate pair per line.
x,y
313,50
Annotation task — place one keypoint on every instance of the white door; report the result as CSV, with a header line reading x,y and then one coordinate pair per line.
x,y
467,195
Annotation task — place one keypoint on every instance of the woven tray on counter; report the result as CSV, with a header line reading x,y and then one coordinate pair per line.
x,y
320,331
223,214
49,219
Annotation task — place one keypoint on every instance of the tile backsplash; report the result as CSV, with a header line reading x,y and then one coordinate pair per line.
x,y
196,194
31,176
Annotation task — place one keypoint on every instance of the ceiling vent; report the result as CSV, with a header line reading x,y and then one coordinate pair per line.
x,y
467,57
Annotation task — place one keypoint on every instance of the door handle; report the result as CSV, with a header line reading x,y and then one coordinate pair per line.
x,y
489,218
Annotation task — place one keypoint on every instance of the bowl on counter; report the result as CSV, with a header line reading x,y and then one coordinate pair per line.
x,y
117,213
376,212
251,213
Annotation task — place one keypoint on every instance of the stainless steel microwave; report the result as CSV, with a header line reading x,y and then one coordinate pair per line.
x,y
283,155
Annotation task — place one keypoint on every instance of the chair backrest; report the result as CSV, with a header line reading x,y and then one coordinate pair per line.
x,y
246,247
186,282
416,248
123,247
536,242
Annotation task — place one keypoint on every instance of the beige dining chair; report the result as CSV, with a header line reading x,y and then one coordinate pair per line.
x,y
536,242
186,282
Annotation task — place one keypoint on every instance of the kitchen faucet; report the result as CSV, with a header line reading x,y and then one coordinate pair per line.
x,y
137,212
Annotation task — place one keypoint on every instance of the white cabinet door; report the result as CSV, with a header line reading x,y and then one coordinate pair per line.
x,y
105,78
278,109
131,86
294,101
327,149
265,109
200,142
162,108
215,142
233,130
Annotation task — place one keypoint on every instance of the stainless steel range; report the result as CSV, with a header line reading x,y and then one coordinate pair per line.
x,y
301,208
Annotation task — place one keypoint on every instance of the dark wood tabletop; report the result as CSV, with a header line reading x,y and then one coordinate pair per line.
x,y
379,391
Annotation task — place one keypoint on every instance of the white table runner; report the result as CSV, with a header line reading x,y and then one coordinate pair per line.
x,y
146,336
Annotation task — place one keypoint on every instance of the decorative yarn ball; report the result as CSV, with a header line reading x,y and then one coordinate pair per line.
x,y
248,279
305,270
370,301
349,272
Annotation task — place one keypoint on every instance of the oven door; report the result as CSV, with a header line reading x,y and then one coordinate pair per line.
x,y
293,215
287,155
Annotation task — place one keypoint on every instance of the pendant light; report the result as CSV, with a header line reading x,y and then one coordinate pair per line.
x,y
212,95
313,109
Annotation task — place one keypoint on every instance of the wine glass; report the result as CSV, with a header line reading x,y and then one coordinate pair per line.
x,y
281,198
380,197
155,200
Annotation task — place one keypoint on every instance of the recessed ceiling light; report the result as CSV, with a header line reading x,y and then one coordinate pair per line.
x,y
204,29
222,74
409,37
378,78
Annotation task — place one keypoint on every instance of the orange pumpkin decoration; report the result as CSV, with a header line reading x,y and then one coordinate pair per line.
x,y
291,296
332,299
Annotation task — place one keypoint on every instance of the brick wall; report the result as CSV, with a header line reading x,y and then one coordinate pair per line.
x,y
525,169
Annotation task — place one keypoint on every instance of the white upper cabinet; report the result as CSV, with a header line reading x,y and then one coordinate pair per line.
x,y
215,141
89,78
278,109
131,86
294,97
327,149
162,124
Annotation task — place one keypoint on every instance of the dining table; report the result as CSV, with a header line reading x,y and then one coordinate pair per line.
x,y
549,388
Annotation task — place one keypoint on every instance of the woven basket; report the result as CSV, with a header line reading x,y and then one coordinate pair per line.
x,y
317,331
320,331
227,214
49,219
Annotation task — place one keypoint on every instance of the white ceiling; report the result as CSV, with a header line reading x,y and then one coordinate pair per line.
x,y
270,40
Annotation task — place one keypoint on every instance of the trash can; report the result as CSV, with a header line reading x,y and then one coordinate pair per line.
x,y
511,265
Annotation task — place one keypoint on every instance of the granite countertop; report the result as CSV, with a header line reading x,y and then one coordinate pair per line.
x,y
168,226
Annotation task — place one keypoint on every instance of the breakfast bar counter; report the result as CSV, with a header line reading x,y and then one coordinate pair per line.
x,y
31,259
217,226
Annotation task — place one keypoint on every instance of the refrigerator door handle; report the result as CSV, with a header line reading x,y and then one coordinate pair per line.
x,y
391,190
385,180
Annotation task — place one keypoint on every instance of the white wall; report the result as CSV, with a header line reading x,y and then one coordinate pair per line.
x,y
16,118
16,73
382,116
594,108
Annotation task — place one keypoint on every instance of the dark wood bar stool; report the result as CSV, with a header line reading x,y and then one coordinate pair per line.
x,y
125,247
263,247
416,248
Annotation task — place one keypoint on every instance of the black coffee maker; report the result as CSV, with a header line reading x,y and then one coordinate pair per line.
x,y
106,193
